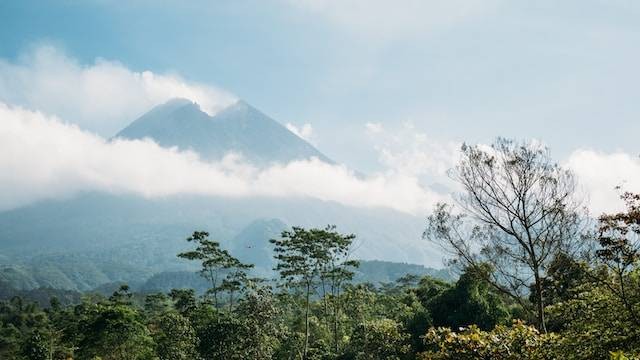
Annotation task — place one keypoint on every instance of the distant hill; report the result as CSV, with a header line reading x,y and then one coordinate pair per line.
x,y
42,296
93,279
33,287
377,271
239,128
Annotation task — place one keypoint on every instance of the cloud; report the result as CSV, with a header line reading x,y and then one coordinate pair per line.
x,y
384,19
407,150
102,97
41,157
600,173
304,132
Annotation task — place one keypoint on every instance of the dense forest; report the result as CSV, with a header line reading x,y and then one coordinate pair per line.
x,y
539,278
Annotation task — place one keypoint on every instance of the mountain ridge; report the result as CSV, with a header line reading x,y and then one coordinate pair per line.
x,y
239,128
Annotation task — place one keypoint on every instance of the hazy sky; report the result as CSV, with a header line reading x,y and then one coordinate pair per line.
x,y
374,84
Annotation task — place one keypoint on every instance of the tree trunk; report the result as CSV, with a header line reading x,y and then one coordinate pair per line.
x,y
539,300
336,312
214,286
306,322
324,299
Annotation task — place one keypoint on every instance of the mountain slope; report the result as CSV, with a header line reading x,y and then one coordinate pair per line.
x,y
239,128
158,227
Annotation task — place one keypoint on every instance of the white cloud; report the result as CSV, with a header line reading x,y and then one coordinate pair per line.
x,y
407,150
41,157
384,19
304,132
102,97
599,173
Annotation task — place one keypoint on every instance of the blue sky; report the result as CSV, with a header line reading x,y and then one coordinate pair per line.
x,y
565,73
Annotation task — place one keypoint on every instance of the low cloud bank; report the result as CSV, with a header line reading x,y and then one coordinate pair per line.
x,y
53,143
42,157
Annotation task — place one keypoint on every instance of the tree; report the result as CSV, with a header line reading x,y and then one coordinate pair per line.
x,y
260,334
250,331
594,323
335,269
518,211
619,252
35,348
235,279
379,339
214,261
564,277
122,296
297,253
311,258
470,301
175,338
156,304
113,331
184,300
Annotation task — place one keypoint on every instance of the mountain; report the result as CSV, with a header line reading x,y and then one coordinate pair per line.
x,y
95,239
239,128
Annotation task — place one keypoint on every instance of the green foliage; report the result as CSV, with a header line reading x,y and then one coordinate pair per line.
x,y
470,301
248,332
174,337
594,324
259,334
312,259
214,260
156,305
563,280
35,347
113,331
518,342
184,300
378,340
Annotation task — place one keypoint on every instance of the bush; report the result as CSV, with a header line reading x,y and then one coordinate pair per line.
x,y
502,343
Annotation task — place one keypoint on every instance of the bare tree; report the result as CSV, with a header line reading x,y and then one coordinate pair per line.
x,y
518,211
